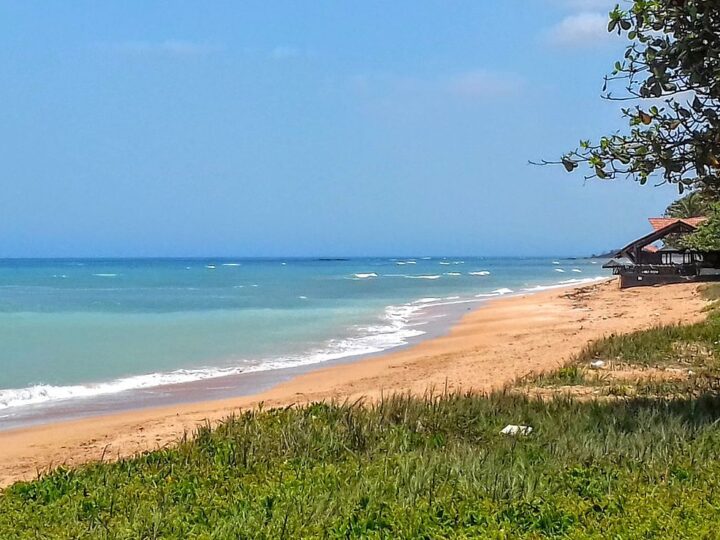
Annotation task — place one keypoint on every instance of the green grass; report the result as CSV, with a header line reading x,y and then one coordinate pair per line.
x,y
406,468
710,291
571,375
694,344
642,462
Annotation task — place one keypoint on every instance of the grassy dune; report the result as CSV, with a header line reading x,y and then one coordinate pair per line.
x,y
636,464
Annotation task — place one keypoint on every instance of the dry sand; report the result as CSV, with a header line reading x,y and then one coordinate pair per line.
x,y
489,348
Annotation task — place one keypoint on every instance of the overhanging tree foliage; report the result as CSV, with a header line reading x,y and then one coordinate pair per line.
x,y
672,68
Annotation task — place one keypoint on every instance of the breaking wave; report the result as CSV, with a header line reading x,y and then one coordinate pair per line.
x,y
397,325
394,328
412,276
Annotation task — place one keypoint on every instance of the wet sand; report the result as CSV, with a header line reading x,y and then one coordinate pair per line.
x,y
487,349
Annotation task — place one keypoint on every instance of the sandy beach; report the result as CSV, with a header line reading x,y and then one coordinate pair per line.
x,y
489,348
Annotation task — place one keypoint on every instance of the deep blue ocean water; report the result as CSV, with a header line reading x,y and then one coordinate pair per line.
x,y
74,329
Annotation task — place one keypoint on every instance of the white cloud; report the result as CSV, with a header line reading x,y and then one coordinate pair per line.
x,y
580,30
172,47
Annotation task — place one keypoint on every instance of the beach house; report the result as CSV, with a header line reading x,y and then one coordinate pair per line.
x,y
658,257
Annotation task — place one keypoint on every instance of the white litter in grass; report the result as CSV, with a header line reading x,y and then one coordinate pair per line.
x,y
512,429
597,364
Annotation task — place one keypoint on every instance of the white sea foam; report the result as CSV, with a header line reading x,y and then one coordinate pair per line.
x,y
481,273
577,270
231,264
556,262
105,275
365,275
565,283
41,393
428,300
453,274
210,266
559,270
445,263
503,290
394,329
412,276
302,297
582,280
496,292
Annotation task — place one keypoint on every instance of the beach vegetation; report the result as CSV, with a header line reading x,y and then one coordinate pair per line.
x,y
707,235
433,467
693,204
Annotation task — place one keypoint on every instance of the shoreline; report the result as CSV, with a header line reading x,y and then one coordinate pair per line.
x,y
438,319
489,347
422,319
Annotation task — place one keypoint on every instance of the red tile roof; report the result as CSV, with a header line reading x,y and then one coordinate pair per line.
x,y
661,222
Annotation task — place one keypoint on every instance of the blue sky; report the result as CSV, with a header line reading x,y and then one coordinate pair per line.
x,y
138,128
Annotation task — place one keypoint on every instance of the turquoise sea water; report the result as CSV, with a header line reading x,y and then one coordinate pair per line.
x,y
73,330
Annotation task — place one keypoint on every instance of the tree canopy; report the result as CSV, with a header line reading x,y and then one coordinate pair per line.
x,y
671,73
693,204
707,235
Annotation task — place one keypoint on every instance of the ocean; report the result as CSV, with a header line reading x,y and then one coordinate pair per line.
x,y
88,336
